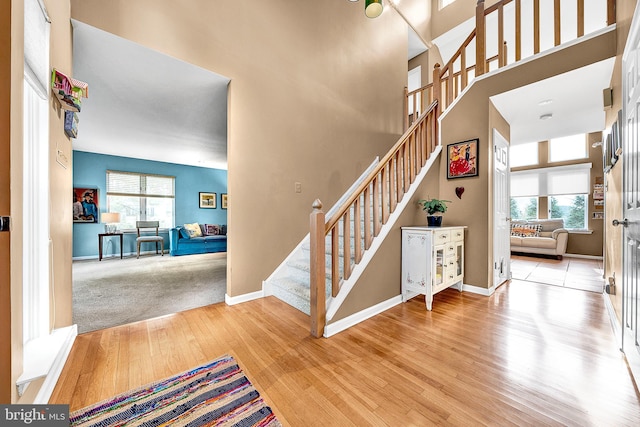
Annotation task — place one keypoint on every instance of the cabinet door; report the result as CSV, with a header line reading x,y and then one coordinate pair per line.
x,y
416,271
439,265
459,260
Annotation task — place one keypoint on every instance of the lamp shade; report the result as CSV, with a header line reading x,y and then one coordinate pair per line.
x,y
110,217
373,8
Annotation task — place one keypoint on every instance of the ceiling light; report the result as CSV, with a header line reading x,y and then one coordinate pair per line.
x,y
373,8
546,116
545,102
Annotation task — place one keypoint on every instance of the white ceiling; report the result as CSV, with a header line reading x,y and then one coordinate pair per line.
x,y
143,104
574,100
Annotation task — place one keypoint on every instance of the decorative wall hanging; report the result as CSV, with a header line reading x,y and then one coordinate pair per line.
x,y
69,91
459,191
85,205
223,200
462,159
207,200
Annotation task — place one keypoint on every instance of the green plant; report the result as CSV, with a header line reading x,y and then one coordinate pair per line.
x,y
431,206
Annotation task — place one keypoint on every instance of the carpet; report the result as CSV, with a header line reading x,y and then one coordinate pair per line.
x,y
215,394
116,291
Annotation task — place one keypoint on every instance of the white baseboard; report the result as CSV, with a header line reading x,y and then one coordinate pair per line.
x,y
613,319
50,381
487,292
354,319
243,298
583,256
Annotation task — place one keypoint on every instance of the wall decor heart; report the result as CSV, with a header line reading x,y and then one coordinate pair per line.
x,y
459,191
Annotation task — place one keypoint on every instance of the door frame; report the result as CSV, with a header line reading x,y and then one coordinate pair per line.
x,y
497,138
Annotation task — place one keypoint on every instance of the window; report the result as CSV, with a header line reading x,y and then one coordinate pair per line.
x,y
571,208
524,208
558,180
523,154
141,197
445,3
568,148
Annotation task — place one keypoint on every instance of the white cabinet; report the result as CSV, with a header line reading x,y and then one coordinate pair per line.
x,y
432,260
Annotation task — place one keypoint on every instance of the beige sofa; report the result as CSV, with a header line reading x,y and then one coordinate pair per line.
x,y
541,236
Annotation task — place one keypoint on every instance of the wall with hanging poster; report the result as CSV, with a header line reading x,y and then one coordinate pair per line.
x,y
85,205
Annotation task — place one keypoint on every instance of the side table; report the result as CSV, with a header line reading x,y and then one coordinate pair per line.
x,y
100,238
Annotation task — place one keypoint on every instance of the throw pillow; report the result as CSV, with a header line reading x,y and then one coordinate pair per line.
x,y
211,230
183,233
193,230
525,230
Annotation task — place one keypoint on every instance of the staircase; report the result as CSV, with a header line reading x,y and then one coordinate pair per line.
x,y
315,278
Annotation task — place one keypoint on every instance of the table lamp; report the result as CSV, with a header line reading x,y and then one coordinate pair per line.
x,y
110,219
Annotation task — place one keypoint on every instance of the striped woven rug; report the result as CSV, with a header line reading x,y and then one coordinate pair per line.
x,y
215,394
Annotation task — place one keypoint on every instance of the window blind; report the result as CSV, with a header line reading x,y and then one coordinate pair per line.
x,y
139,185
553,181
36,46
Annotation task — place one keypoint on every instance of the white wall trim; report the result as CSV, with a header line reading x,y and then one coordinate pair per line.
x,y
243,298
51,380
352,320
584,256
613,319
52,353
487,292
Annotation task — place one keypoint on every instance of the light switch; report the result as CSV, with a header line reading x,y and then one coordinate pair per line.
x,y
298,187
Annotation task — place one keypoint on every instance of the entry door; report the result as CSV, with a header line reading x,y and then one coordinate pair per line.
x,y
631,198
501,209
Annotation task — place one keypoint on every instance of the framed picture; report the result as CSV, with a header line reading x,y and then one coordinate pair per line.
x,y
207,200
462,159
223,200
85,205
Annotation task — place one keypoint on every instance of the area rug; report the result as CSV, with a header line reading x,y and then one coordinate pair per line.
x,y
215,394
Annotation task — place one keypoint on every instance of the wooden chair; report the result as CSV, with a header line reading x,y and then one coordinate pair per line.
x,y
142,225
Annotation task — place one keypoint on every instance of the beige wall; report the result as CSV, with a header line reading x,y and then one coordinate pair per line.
x,y
5,202
613,194
315,95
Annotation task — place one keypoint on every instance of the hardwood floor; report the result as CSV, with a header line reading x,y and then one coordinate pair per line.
x,y
528,355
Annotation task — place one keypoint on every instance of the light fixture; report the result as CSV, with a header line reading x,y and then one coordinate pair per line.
x,y
545,102
373,8
546,116
596,144
110,219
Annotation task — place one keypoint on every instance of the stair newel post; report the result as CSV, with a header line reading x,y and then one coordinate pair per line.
x,y
437,83
406,109
317,242
480,39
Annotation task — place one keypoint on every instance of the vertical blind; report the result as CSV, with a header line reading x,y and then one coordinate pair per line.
x,y
553,181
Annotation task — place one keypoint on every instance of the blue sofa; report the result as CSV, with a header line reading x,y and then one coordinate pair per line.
x,y
182,244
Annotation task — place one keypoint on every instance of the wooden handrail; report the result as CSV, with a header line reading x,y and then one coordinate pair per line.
x,y
448,83
375,199
367,181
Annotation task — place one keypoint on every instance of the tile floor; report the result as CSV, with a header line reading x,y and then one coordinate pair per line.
x,y
576,273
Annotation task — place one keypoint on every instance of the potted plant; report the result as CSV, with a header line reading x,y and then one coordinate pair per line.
x,y
432,207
